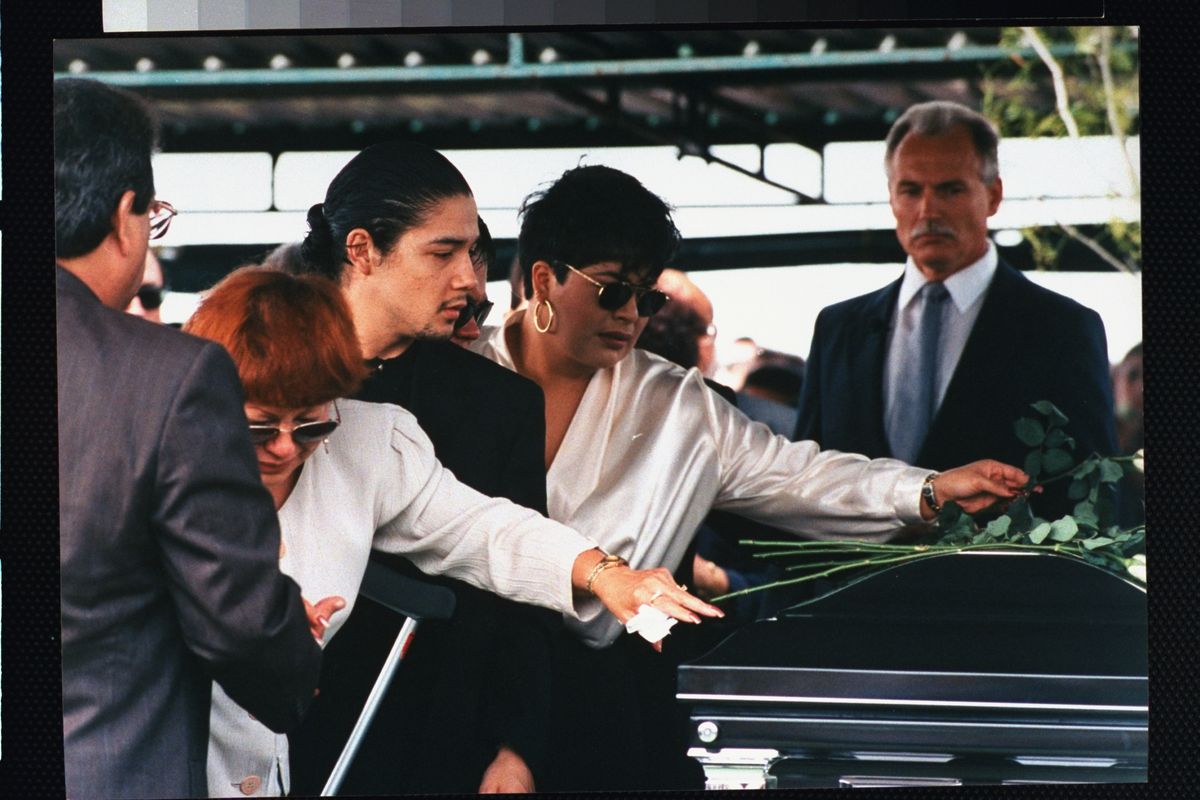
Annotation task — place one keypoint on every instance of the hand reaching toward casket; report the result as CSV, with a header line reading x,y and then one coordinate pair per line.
x,y
319,614
976,486
623,590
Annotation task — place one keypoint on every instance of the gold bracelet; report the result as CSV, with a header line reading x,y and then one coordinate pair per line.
x,y
603,564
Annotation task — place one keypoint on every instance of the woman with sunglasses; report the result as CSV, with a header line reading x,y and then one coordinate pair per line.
x,y
349,476
632,437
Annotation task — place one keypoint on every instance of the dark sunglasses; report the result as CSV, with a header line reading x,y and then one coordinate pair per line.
x,y
304,433
161,214
150,296
476,311
616,294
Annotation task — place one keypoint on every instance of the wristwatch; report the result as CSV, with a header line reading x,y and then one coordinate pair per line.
x,y
929,495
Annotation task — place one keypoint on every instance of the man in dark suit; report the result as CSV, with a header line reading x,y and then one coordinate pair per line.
x,y
467,710
169,545
995,341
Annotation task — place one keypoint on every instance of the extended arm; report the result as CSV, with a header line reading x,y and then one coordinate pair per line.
x,y
797,486
447,527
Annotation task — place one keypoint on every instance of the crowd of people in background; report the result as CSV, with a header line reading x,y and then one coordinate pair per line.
x,y
584,463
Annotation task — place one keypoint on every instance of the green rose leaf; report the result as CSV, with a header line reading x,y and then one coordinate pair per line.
x,y
1033,464
962,526
1063,529
1057,418
1030,432
981,538
998,527
1110,471
1096,541
1085,469
1106,508
1021,516
1085,515
1056,461
1057,437
1039,534
1077,490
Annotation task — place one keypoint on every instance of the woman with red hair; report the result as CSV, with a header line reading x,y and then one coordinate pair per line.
x,y
373,484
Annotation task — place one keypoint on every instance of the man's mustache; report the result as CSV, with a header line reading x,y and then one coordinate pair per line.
x,y
931,228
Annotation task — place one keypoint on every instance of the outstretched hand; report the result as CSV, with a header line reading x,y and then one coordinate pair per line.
x,y
319,614
623,591
978,485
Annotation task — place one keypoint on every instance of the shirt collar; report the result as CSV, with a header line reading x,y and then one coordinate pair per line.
x,y
964,286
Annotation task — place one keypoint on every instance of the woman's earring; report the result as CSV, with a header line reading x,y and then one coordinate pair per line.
x,y
326,442
537,323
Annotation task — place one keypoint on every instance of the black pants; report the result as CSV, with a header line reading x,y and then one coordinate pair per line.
x,y
615,724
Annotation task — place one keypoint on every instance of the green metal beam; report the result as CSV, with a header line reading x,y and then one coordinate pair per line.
x,y
517,70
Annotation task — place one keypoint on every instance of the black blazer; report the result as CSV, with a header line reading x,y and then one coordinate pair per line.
x,y
479,680
169,556
1028,344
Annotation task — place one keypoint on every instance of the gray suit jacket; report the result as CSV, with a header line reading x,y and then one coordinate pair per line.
x,y
169,556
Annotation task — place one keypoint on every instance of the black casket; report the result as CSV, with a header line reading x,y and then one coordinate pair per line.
x,y
958,669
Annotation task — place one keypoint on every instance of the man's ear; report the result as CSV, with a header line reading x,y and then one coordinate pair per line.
x,y
543,276
360,251
995,195
128,231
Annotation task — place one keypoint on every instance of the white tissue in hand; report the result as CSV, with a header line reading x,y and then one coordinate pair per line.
x,y
650,623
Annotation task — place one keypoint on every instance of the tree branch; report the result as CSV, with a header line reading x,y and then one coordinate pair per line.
x,y
1110,106
1060,85
1095,247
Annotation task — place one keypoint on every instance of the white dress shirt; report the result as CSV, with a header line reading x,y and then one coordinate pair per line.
x,y
967,288
651,449
379,486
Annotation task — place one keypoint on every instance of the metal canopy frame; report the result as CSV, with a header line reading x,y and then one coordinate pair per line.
x,y
518,70
604,88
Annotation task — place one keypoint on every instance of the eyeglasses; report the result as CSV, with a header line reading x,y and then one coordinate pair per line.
x,y
616,294
161,214
304,433
150,296
473,310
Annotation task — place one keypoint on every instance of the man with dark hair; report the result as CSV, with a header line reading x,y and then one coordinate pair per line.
x,y
467,709
937,367
168,542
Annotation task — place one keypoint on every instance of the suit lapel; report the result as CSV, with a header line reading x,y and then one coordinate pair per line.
x,y
869,352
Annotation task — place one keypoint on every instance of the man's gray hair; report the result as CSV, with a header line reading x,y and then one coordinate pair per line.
x,y
938,117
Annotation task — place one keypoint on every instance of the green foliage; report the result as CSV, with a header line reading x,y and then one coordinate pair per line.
x,y
1016,101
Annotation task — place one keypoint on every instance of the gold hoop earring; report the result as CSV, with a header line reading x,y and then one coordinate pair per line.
x,y
549,317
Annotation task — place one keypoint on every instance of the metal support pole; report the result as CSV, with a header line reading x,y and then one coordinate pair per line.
x,y
369,708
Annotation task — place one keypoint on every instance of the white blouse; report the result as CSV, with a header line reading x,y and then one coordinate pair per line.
x,y
380,486
651,449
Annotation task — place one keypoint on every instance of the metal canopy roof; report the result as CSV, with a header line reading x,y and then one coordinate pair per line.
x,y
544,88
564,88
